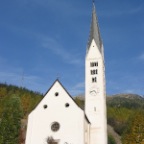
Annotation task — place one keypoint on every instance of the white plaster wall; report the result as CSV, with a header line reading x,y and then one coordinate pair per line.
x,y
87,132
95,105
71,119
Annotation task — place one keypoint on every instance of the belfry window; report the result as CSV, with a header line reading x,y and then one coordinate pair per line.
x,y
96,71
93,64
93,72
96,64
94,80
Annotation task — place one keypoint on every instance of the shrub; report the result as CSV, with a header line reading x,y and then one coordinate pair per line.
x,y
111,140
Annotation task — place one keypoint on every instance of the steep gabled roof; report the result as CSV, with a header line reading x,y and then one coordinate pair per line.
x,y
94,31
57,80
86,118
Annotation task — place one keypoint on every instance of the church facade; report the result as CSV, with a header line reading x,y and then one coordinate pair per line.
x,y
57,119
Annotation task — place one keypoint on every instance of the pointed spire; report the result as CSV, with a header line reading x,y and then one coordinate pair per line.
x,y
94,30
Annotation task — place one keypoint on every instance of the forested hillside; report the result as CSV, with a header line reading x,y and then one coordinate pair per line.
x,y
28,99
125,115
15,105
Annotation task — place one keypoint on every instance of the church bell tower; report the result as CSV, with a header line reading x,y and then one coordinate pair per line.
x,y
95,93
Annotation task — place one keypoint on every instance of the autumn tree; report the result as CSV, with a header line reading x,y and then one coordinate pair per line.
x,y
11,121
135,130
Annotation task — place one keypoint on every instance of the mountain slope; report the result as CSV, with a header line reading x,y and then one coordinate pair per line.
x,y
125,112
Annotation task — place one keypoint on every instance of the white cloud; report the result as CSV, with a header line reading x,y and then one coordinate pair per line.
x,y
137,90
63,7
129,91
120,12
141,57
77,89
16,78
128,83
58,49
80,85
14,75
134,10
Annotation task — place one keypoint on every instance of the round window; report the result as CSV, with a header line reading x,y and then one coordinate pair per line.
x,y
67,105
55,126
45,106
56,94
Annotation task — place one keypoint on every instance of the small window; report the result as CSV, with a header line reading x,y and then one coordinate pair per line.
x,y
56,94
94,79
95,109
91,64
93,72
96,71
67,105
45,106
94,64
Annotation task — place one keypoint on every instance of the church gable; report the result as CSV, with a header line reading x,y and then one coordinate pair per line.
x,y
56,116
57,98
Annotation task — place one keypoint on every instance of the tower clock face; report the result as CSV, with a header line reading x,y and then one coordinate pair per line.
x,y
94,90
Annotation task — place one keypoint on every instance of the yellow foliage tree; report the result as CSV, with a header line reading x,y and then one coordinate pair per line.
x,y
135,133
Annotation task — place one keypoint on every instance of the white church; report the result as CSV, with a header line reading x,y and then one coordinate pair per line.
x,y
57,119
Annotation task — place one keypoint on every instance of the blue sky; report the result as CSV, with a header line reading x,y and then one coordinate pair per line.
x,y
41,40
